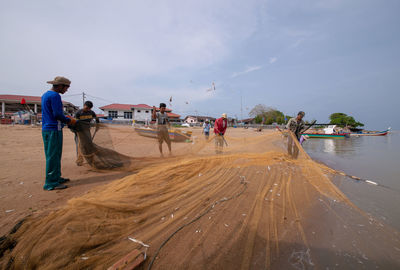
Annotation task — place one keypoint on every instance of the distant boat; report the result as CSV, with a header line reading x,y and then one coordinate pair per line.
x,y
329,133
327,136
371,133
174,134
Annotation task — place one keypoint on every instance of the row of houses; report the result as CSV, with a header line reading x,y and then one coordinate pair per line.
x,y
140,113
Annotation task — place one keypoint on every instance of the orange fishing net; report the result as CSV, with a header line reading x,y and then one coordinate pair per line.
x,y
253,207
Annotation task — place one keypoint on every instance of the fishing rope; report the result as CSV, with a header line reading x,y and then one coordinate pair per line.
x,y
242,182
365,181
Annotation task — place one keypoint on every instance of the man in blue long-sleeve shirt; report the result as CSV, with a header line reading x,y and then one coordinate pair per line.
x,y
53,120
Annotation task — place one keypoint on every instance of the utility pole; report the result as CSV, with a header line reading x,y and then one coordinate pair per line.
x,y
83,99
241,106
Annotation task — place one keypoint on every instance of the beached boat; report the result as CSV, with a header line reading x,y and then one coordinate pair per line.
x,y
329,133
370,133
174,134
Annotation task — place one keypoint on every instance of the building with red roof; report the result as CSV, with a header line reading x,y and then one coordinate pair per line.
x,y
140,113
13,103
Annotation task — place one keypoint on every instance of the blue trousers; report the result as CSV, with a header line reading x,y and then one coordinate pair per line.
x,y
53,142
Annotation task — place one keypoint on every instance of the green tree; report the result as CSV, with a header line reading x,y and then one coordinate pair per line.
x,y
342,120
258,110
267,115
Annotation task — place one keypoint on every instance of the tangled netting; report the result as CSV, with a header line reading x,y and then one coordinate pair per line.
x,y
259,205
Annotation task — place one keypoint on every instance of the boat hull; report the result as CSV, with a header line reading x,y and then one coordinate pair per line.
x,y
327,136
380,133
174,135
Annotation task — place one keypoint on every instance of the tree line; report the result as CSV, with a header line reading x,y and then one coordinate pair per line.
x,y
268,115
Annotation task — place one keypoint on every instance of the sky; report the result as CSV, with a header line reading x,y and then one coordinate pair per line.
x,y
321,56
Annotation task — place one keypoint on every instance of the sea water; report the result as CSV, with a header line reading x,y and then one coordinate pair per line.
x,y
374,158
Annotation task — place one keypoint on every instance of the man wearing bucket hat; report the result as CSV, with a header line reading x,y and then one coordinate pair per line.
x,y
53,120
220,126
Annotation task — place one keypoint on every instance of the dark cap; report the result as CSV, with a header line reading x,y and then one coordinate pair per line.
x,y
162,105
301,113
89,104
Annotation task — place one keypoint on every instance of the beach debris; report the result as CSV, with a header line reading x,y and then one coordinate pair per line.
x,y
269,168
84,258
30,196
197,231
162,218
371,182
138,241
301,259
278,194
226,225
244,215
200,174
9,211
172,215
21,183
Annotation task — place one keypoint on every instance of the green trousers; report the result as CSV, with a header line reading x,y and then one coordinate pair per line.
x,y
53,142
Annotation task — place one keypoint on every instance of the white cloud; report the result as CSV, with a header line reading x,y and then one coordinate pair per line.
x,y
247,70
273,60
106,46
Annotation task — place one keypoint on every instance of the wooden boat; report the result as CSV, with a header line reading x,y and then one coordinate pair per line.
x,y
174,134
328,136
370,133
329,133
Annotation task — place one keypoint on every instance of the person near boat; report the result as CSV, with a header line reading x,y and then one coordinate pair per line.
x,y
163,124
295,126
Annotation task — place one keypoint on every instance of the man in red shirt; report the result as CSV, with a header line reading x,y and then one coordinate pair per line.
x,y
220,126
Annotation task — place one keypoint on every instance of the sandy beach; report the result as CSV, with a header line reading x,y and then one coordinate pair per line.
x,y
254,207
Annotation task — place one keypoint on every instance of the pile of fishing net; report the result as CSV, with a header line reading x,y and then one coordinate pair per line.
x,y
97,148
253,207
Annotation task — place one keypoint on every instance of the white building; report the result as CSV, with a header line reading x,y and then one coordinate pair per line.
x,y
192,119
141,113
